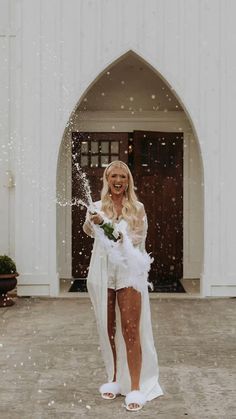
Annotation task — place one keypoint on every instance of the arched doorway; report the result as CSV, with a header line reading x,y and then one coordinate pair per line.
x,y
130,100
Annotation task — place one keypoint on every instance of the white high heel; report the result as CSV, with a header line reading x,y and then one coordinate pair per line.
x,y
136,397
112,387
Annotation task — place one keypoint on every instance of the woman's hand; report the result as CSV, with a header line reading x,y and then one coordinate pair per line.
x,y
121,236
96,218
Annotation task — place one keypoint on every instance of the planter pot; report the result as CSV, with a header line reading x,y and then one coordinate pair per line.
x,y
7,283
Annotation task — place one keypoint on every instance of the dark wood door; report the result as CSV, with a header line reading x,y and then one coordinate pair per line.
x,y
157,166
93,152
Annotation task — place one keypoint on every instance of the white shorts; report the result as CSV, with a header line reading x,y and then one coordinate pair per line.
x,y
116,276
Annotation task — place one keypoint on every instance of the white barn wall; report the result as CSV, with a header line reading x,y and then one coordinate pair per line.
x,y
4,209
62,47
226,195
7,126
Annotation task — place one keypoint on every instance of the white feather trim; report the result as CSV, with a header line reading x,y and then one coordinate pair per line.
x,y
136,263
113,387
135,396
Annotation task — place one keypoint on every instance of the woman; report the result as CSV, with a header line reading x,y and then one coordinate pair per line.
x,y
122,312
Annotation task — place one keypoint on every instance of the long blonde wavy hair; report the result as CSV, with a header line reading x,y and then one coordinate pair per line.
x,y
130,200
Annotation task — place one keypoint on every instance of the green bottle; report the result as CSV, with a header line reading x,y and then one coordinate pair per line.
x,y
109,229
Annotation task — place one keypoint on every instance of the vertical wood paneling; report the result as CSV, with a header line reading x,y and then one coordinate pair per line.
x,y
50,78
12,12
18,133
222,144
181,44
129,23
228,143
188,57
70,19
151,39
12,138
28,175
77,47
209,82
110,29
7,125
4,80
90,38
63,50
171,36
227,148
203,121
4,140
4,15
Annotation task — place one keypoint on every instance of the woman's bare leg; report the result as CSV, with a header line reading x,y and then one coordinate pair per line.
x,y
111,325
129,301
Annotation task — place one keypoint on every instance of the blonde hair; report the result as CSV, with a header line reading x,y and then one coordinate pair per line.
x,y
130,200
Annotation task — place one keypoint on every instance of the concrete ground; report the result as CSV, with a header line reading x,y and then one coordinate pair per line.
x,y
51,365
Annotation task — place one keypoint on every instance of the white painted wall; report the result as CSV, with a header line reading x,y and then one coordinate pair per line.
x,y
7,126
60,49
193,209
64,226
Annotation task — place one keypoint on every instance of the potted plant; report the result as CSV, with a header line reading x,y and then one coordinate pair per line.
x,y
8,281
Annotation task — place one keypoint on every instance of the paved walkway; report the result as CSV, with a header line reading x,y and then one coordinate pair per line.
x,y
51,365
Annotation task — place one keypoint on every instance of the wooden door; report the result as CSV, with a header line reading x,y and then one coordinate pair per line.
x,y
157,166
93,152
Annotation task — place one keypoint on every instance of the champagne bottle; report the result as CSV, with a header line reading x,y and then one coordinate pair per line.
x,y
110,231
108,228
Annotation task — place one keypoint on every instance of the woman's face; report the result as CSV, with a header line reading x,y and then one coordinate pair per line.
x,y
117,180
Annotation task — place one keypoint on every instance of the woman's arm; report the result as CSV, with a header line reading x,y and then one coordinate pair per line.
x,y
90,220
88,226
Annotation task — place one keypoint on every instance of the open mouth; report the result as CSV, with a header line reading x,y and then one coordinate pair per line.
x,y
117,187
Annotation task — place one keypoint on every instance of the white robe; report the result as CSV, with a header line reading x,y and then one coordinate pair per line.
x,y
97,289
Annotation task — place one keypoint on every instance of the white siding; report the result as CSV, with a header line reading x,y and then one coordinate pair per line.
x,y
7,126
62,46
